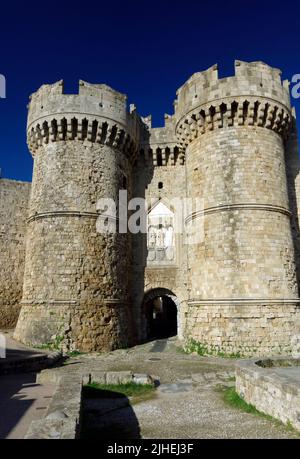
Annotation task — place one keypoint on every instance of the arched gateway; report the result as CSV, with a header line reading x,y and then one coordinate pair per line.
x,y
160,312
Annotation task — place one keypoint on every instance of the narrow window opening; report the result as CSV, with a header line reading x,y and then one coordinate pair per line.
x,y
159,158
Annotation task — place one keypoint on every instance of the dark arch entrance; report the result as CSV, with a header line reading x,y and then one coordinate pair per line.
x,y
160,310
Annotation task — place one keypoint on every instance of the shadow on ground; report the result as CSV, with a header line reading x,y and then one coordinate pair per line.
x,y
108,414
12,405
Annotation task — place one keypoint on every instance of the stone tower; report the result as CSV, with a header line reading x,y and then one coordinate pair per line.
x,y
76,281
231,142
242,278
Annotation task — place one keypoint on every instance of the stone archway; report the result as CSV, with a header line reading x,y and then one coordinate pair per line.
x,y
160,312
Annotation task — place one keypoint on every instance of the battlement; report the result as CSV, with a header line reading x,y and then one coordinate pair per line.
x,y
254,96
92,99
161,142
255,79
159,135
97,113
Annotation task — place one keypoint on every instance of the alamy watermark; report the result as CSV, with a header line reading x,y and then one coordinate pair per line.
x,y
2,87
178,215
296,86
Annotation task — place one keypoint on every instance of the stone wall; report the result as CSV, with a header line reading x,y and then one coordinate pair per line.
x,y
72,290
240,173
63,419
293,182
273,390
243,284
159,177
77,273
244,327
14,197
232,143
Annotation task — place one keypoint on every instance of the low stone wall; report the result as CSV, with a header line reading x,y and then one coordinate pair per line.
x,y
63,417
271,387
62,420
35,361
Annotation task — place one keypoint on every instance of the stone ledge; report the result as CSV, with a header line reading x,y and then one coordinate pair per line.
x,y
63,417
34,362
272,391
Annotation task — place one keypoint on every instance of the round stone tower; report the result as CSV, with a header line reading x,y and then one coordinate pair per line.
x,y
243,295
76,283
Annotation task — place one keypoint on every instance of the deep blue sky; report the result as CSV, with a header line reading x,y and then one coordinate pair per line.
x,y
146,49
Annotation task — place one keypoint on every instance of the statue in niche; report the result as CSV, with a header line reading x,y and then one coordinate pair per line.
x,y
170,253
152,237
169,239
160,237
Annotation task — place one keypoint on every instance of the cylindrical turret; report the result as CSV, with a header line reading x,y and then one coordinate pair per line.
x,y
243,287
76,283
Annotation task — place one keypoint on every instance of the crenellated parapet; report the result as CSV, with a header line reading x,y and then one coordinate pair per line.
x,y
255,96
97,114
235,111
160,146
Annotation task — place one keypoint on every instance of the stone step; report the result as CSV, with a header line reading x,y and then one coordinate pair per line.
x,y
34,362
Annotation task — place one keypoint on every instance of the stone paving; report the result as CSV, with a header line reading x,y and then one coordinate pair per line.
x,y
187,403
292,373
22,401
23,359
17,351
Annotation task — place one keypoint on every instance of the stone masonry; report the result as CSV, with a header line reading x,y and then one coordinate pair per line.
x,y
14,197
232,143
